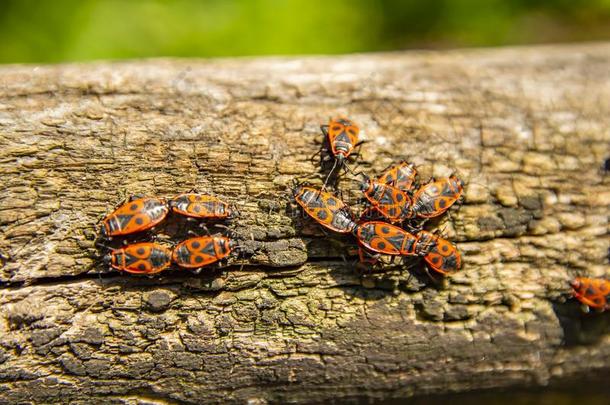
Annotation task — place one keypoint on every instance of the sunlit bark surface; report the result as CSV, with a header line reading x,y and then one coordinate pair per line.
x,y
526,128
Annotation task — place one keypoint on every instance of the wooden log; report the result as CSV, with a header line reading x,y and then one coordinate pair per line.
x,y
526,128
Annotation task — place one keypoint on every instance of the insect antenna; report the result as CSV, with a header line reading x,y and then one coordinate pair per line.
x,y
330,174
101,257
441,232
230,232
99,244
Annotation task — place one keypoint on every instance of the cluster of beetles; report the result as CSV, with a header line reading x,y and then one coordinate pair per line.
x,y
390,224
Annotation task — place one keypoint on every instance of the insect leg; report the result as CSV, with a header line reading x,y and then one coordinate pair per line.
x,y
324,129
205,229
318,153
432,278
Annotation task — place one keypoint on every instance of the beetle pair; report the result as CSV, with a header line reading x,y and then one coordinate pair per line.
x,y
377,237
140,214
151,258
382,238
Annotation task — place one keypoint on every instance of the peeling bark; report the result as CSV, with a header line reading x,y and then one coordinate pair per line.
x,y
527,128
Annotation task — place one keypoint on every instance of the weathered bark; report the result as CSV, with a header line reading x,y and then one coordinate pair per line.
x,y
527,128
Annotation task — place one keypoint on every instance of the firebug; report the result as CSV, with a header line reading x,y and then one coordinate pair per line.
x,y
140,258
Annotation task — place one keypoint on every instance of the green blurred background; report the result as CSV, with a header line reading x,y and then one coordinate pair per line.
x,y
74,30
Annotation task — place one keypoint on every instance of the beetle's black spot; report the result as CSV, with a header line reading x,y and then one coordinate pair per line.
x,y
139,221
385,229
133,207
435,260
442,203
195,245
337,128
140,251
198,259
141,266
381,245
331,202
392,212
590,291
399,197
322,214
197,208
445,248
